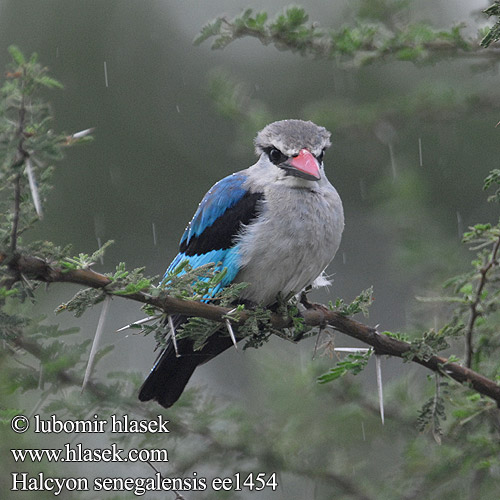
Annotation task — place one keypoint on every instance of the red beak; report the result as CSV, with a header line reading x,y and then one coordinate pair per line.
x,y
306,165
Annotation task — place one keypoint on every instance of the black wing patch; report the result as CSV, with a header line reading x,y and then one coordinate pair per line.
x,y
221,234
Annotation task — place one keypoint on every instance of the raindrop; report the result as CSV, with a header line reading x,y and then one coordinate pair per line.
x,y
177,108
99,226
386,134
40,377
393,161
363,430
344,258
99,245
106,74
420,152
154,234
97,338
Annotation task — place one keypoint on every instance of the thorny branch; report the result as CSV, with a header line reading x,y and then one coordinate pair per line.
x,y
20,158
68,378
475,312
317,315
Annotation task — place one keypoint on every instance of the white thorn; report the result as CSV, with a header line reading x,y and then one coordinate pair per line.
x,y
33,188
172,332
231,333
352,349
378,368
82,133
97,338
139,322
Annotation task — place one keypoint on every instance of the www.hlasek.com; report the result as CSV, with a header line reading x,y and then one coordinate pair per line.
x,y
76,452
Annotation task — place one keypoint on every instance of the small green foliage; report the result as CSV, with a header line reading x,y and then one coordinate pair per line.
x,y
353,363
49,251
212,28
475,299
493,178
352,40
11,324
83,260
493,34
199,330
360,304
131,288
432,342
299,326
82,300
28,145
17,55
5,292
397,335
7,414
433,412
257,328
288,30
357,44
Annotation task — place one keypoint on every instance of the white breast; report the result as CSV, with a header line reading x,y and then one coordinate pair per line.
x,y
295,237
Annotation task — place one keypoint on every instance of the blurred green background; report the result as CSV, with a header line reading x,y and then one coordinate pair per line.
x,y
411,145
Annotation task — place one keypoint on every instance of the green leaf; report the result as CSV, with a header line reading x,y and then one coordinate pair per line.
x,y
353,363
131,288
49,82
492,178
212,28
17,55
360,304
493,35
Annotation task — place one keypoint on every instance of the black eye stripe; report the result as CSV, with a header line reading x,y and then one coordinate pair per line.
x,y
275,155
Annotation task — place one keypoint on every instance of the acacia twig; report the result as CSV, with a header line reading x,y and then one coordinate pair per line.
x,y
317,315
475,313
20,158
16,212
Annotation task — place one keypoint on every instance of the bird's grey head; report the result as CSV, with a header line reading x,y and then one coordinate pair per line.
x,y
296,147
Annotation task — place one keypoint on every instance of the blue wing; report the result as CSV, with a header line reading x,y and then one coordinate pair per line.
x,y
211,235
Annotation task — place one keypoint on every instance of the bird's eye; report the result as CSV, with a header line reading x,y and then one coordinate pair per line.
x,y
276,156
320,156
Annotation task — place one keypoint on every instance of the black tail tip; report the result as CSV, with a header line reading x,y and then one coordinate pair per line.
x,y
150,391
